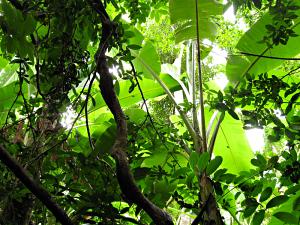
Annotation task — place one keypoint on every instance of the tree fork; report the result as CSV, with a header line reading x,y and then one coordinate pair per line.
x,y
118,151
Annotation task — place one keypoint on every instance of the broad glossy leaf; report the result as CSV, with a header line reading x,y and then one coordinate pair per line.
x,y
8,73
238,66
292,190
232,145
194,157
9,93
156,159
183,14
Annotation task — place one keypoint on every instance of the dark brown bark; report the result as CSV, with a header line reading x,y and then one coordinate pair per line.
x,y
118,151
211,214
34,187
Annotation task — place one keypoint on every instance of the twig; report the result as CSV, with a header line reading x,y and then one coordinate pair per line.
x,y
86,111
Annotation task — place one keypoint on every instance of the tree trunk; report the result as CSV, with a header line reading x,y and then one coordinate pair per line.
x,y
211,214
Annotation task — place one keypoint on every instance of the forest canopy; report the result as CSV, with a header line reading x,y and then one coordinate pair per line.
x,y
139,112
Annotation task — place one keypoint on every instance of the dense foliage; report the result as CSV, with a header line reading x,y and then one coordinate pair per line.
x,y
111,113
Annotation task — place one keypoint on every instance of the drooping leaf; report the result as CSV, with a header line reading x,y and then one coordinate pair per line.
x,y
213,165
193,159
258,217
292,190
265,194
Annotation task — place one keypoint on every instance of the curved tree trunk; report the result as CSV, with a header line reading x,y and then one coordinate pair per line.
x,y
118,151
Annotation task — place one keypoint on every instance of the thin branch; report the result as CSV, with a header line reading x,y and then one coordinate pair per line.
x,y
34,187
12,105
267,57
290,72
86,111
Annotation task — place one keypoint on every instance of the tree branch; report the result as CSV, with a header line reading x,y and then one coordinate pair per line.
x,y
34,187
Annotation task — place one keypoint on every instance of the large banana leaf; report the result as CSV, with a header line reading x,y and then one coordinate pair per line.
x,y
231,143
250,42
233,146
183,14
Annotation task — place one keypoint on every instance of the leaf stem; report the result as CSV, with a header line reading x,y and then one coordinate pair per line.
x,y
202,118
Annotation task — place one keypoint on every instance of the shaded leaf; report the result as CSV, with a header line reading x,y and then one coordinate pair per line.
x,y
265,194
213,165
276,201
258,217
286,217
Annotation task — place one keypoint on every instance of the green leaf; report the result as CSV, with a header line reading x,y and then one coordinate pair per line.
x,y
265,194
249,211
157,158
229,148
276,201
147,59
203,161
258,217
213,165
134,47
193,159
233,114
135,115
291,102
238,66
286,217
